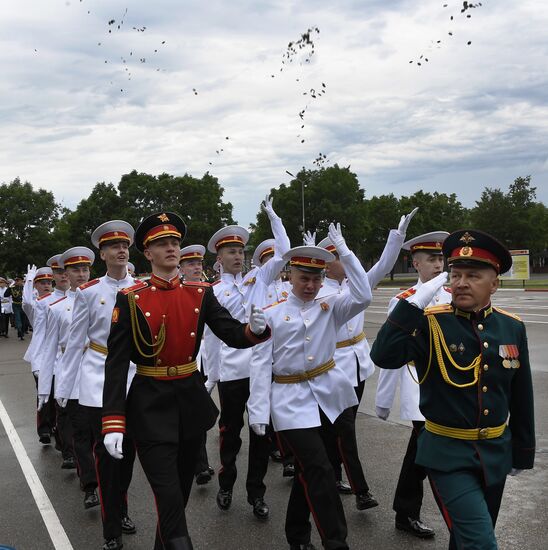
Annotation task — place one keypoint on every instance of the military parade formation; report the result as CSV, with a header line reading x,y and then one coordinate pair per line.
x,y
128,366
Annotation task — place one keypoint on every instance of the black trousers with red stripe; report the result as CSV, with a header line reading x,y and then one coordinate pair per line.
x,y
65,431
170,468
82,442
409,491
113,476
233,396
46,416
341,446
313,491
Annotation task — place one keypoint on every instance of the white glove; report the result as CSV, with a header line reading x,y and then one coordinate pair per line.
x,y
515,471
257,321
209,385
335,236
259,429
42,400
62,401
405,221
31,272
113,444
36,373
382,413
267,207
427,291
309,238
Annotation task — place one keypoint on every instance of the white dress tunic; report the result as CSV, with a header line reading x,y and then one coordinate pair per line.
x,y
304,336
91,320
406,375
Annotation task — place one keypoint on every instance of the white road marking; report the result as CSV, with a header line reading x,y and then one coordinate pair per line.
x,y
53,525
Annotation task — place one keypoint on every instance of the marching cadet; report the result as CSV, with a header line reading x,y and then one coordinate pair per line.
x,y
472,364
230,367
352,355
158,324
46,414
276,291
191,269
93,306
294,380
428,262
76,262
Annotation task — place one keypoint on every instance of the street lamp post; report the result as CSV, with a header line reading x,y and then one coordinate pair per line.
x,y
302,194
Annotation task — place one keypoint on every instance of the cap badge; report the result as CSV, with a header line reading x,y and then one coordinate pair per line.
x,y
163,218
466,251
467,238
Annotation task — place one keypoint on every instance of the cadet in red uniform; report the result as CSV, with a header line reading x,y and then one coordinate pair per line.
x,y
158,325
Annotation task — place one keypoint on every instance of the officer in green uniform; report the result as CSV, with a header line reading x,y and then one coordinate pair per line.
x,y
476,392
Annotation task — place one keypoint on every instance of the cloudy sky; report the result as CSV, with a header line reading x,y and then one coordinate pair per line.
x,y
472,116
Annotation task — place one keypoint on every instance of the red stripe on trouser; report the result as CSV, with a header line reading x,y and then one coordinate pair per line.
x,y
306,495
99,482
345,464
444,511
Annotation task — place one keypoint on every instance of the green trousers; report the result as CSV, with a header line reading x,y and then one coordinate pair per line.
x,y
469,508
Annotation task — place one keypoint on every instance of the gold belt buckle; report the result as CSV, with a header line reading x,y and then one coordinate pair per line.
x,y
172,371
483,433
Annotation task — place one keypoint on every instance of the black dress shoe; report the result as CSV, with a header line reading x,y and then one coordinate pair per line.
x,y
276,456
203,477
289,470
91,499
365,501
113,544
68,463
344,488
128,527
307,546
180,543
224,499
260,508
415,526
210,471
45,439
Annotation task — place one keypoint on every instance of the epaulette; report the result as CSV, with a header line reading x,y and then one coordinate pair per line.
x,y
196,283
138,286
442,308
57,301
274,304
44,296
504,312
88,284
406,293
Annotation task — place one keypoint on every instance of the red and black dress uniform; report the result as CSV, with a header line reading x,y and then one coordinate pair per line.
x,y
158,325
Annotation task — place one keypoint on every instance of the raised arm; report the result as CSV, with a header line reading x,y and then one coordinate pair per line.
x,y
269,271
28,294
348,304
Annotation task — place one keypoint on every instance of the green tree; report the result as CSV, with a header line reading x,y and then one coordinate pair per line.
x,y
330,195
437,212
27,219
515,217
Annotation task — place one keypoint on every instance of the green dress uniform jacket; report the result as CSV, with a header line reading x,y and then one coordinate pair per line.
x,y
502,393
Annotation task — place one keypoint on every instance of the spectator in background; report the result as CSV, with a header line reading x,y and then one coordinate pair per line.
x,y
5,308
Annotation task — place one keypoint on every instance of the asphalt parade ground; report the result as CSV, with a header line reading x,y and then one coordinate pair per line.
x,y
40,503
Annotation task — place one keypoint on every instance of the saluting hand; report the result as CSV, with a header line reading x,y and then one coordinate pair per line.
x,y
427,291
31,272
405,221
257,321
